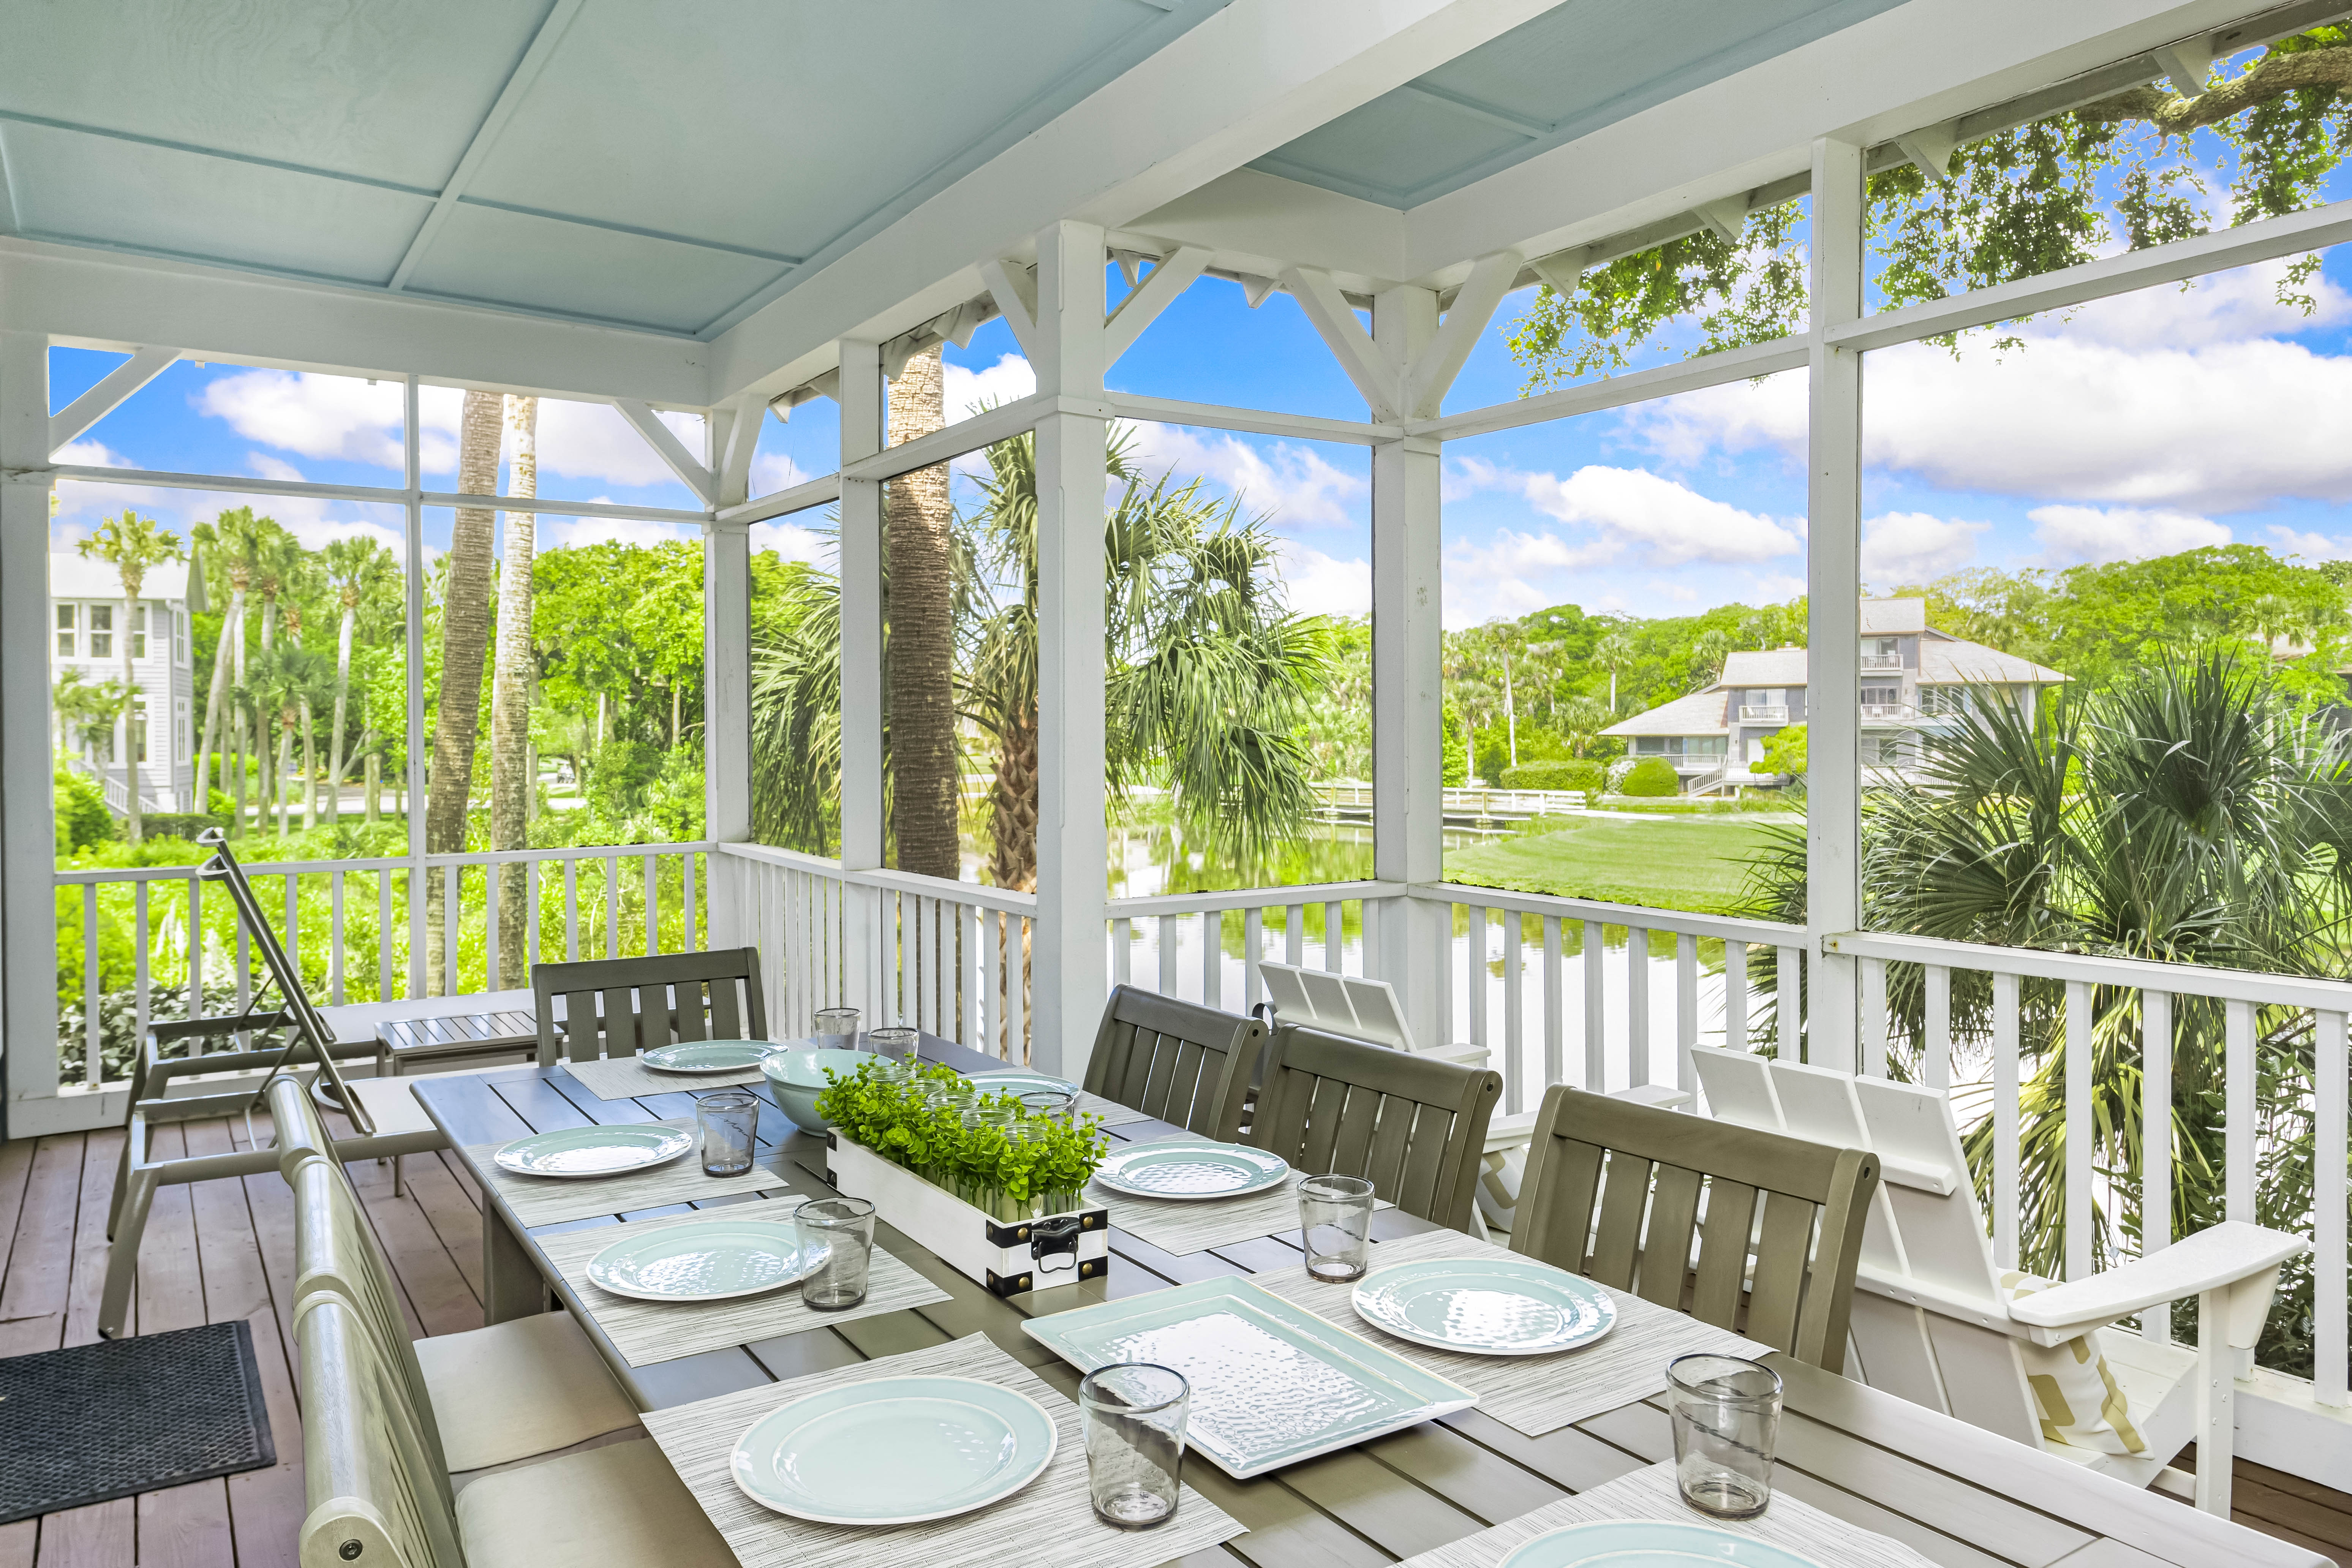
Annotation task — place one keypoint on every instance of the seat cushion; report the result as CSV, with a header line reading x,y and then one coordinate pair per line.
x,y
394,1109
617,1507
2081,1401
528,1385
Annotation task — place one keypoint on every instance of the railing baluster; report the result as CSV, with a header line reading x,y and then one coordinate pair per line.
x,y
1252,949
1514,1007
1735,995
612,906
1445,980
452,925
653,905
1596,1005
92,1066
992,978
1938,1063
290,937
1637,1006
2331,1325
195,947
491,878
1873,1017
2237,1111
335,939
1213,958
1474,975
383,934
533,872
1789,1001
1169,931
2077,1212
2156,1149
2005,1114
686,864
1334,937
968,975
570,909
143,1002
1018,984
1122,951
1294,940
1686,1011
1554,1024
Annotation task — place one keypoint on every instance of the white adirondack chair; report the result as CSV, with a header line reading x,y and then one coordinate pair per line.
x,y
1930,1323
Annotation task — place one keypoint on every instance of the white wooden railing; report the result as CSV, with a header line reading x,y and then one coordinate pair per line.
x,y
118,797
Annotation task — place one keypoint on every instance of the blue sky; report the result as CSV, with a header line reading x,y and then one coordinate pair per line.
x,y
2158,421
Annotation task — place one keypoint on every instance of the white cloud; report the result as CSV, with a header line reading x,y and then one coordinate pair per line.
x,y
1293,483
2315,546
1672,524
2076,535
1912,546
1506,575
794,542
92,455
772,471
565,533
965,390
1320,584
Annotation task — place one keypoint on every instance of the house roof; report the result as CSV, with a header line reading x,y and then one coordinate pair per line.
x,y
1700,713
1952,660
1894,617
73,576
1765,667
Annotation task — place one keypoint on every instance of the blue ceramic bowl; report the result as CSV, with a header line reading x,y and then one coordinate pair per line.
x,y
797,1078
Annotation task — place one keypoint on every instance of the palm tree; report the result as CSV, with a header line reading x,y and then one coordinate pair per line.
x,y
2187,814
510,691
796,716
84,708
1613,653
465,642
920,657
1708,652
227,546
282,683
358,569
130,544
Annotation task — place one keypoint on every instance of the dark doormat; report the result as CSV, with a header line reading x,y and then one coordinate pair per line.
x,y
121,1416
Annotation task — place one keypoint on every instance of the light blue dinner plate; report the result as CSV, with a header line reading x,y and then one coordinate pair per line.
x,y
1486,1306
704,1261
578,1152
709,1055
1271,1383
1190,1168
897,1450
1022,1082
1649,1543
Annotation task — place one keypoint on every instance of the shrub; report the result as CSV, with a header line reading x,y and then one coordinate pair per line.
x,y
1576,775
1651,777
82,817
618,778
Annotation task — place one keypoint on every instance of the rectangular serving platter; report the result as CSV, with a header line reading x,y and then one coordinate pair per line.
x,y
1271,1383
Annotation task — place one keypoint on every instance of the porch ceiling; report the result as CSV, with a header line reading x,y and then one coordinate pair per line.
x,y
1579,66
589,161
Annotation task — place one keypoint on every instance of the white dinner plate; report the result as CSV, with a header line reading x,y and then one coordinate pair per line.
x,y
709,1055
577,1152
1486,1306
704,1261
896,1450
1190,1168
1651,1543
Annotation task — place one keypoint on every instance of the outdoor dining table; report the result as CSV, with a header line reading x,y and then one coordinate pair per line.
x,y
1954,1493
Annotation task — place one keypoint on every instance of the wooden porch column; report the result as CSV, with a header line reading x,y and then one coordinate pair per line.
x,y
1414,939
861,676
1833,627
731,434
28,1051
1069,969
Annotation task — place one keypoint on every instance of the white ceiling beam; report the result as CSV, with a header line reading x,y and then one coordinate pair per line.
x,y
1247,79
822,491
1173,275
735,458
1427,379
665,441
486,135
1352,346
144,366
1014,287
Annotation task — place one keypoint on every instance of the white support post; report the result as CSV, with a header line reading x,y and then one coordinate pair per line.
x,y
1070,974
726,663
697,477
419,742
861,675
144,366
29,919
1408,789
1833,631
1171,276
1378,375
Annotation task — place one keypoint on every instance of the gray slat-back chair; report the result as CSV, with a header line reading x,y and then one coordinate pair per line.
x,y
1641,1171
1414,1126
619,1006
1176,1060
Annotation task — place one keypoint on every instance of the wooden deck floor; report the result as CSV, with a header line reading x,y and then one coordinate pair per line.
x,y
222,1250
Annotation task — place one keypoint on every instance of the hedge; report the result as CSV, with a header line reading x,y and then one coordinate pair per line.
x,y
1568,774
1652,776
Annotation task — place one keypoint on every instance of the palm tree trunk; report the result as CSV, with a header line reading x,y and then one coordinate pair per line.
x,y
206,758
286,721
342,699
310,768
131,730
919,665
465,640
1013,860
510,778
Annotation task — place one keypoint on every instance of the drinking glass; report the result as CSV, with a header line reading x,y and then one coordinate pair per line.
x,y
1134,1416
729,1116
840,1022
838,1234
897,1042
1048,1102
1727,1417
1335,1217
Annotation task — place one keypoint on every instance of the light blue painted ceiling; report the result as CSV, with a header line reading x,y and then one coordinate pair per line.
x,y
668,166
1577,68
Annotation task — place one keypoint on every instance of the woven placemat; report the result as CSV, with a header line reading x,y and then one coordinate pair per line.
x,y
1648,1493
550,1200
646,1332
1533,1394
1198,1224
625,1077
1049,1523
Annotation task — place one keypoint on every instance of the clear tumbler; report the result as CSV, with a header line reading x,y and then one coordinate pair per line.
x,y
1134,1416
837,1234
838,1023
1335,1215
1727,1417
729,1120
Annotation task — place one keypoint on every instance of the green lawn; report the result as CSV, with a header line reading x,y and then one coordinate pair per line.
x,y
1666,862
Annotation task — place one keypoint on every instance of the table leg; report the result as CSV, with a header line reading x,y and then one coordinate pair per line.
x,y
511,1287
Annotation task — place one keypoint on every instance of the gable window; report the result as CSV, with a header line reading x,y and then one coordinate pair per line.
x,y
139,729
69,623
101,631
139,632
179,625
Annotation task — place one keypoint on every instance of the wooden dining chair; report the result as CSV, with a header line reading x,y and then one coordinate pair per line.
x,y
1414,1126
1617,1192
1176,1060
619,1006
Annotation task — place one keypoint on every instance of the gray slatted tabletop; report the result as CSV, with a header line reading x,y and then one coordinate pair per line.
x,y
1957,1495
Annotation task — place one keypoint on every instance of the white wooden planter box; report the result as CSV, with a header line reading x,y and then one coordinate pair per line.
x,y
1008,1256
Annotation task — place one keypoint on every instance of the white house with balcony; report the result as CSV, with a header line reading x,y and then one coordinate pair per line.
x,y
1913,681
87,633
